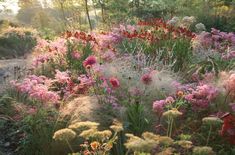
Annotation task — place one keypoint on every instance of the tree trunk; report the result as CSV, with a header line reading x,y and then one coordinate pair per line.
x,y
102,5
88,15
63,12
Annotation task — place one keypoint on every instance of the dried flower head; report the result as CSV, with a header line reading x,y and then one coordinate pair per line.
x,y
172,113
165,140
212,120
117,126
84,125
135,143
166,151
88,133
203,150
185,144
105,134
64,134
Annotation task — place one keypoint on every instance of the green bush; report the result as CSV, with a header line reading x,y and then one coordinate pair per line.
x,y
15,42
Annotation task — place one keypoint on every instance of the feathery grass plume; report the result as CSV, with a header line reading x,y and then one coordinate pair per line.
x,y
84,125
64,134
185,144
212,120
172,113
204,150
117,126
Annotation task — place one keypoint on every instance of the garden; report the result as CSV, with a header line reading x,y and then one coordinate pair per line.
x,y
97,77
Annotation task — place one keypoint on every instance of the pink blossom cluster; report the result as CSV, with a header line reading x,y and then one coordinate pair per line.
x,y
62,77
41,59
37,87
158,106
216,40
202,96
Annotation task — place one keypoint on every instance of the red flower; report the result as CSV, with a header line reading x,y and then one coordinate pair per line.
x,y
114,82
228,128
91,60
146,79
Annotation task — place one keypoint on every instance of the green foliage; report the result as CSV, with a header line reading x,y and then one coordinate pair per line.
x,y
16,42
38,130
136,119
84,51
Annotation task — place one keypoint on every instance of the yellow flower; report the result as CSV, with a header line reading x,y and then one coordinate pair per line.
x,y
203,150
106,134
185,144
84,125
164,140
64,134
172,113
87,133
212,120
166,151
117,126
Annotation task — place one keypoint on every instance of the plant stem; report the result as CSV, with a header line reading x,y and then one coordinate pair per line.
x,y
171,126
209,134
70,147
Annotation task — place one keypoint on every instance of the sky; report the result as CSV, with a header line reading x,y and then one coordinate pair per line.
x,y
13,5
10,4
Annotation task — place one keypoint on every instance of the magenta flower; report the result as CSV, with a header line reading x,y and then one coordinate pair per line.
x,y
146,79
91,60
114,82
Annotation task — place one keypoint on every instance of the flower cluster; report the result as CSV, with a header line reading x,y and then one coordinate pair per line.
x,y
202,96
158,106
220,42
37,88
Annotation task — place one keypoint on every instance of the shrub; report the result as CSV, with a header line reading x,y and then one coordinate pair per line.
x,y
16,42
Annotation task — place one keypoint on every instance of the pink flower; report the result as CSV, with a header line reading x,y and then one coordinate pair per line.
x,y
114,82
91,60
158,106
202,96
146,79
108,56
62,77
76,55
170,99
